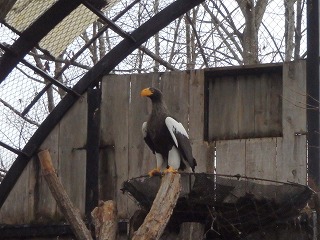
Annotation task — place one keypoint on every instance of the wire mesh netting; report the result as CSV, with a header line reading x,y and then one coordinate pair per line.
x,y
215,33
232,207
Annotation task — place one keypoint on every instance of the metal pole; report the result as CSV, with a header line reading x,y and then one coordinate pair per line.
x,y
313,90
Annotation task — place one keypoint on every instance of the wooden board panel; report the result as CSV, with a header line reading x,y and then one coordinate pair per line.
x,y
46,206
294,98
19,206
246,111
141,158
292,155
292,159
203,152
223,108
261,158
72,153
196,105
231,157
267,104
114,127
175,88
245,106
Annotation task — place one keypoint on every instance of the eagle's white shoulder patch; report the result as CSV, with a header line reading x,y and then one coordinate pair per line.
x,y
175,127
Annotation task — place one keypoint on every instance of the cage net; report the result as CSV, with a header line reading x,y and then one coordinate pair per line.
x,y
215,33
231,207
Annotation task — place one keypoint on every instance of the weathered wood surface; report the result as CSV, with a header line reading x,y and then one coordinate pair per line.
x,y
31,200
114,137
105,220
292,149
161,210
123,153
203,151
20,204
244,106
71,213
279,158
72,153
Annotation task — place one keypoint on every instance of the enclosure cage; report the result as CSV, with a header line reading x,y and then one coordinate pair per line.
x,y
68,67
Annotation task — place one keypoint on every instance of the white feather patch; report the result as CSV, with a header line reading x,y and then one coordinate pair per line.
x,y
160,161
144,129
174,159
175,127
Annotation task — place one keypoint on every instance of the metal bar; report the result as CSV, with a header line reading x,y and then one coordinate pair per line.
x,y
313,120
99,33
47,53
44,75
34,33
93,145
75,56
11,149
111,24
49,78
35,100
91,78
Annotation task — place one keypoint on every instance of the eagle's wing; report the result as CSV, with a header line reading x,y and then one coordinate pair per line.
x,y
181,140
147,138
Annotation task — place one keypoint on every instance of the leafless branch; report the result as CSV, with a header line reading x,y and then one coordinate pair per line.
x,y
18,113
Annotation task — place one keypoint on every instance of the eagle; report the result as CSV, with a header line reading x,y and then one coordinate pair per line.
x,y
166,137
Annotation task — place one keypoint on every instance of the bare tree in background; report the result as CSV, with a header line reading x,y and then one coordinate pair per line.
x,y
215,33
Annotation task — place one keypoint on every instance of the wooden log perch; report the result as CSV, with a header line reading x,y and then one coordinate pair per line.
x,y
105,220
71,213
161,210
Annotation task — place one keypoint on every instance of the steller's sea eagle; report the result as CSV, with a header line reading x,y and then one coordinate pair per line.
x,y
166,137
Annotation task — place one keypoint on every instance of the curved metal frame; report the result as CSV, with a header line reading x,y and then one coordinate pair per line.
x,y
91,78
34,33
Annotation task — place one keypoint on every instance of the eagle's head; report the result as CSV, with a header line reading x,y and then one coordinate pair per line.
x,y
153,93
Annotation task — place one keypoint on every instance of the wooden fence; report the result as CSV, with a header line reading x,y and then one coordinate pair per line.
x,y
242,120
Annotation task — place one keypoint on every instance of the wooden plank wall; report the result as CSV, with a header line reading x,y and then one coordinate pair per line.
x,y
31,201
244,104
124,154
123,111
276,158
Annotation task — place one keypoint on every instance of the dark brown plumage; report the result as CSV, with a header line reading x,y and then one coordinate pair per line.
x,y
165,136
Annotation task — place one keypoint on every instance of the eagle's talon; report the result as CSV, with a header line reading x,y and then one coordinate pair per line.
x,y
154,172
170,169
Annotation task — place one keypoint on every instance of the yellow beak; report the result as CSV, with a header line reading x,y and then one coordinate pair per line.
x,y
146,92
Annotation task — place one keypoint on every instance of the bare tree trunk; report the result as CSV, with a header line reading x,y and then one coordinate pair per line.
x,y
253,15
156,39
45,68
289,28
298,34
102,41
188,44
57,70
250,35
175,37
